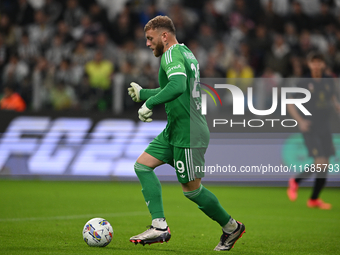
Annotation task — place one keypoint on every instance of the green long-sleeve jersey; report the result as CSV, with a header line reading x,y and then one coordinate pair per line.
x,y
180,92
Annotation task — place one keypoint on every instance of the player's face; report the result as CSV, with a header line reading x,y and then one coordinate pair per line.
x,y
316,66
154,41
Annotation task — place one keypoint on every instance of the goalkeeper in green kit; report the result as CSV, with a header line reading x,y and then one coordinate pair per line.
x,y
183,142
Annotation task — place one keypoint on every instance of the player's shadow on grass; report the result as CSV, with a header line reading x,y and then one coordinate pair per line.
x,y
155,249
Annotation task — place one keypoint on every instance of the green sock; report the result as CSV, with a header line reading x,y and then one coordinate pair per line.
x,y
151,189
209,204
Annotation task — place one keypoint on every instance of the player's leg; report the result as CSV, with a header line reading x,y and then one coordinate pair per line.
x,y
156,154
311,143
324,148
151,186
293,184
319,184
208,203
186,161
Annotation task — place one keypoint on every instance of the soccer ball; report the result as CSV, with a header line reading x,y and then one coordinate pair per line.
x,y
97,232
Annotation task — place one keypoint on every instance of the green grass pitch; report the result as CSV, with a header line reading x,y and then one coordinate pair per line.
x,y
47,217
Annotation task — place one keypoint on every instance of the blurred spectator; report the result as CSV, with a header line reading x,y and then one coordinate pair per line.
x,y
128,71
224,56
199,52
15,71
62,97
264,89
261,42
40,33
4,54
333,58
52,9
165,5
310,7
182,29
319,41
87,31
241,14
305,44
25,13
25,90
28,51
64,32
57,51
122,29
300,20
278,57
7,30
73,13
149,13
238,35
99,17
140,37
211,70
90,31
325,18
206,37
64,73
138,57
197,5
106,47
81,55
245,52
86,95
291,36
42,83
297,73
280,7
12,101
99,72
273,21
130,12
185,21
212,18
240,74
148,77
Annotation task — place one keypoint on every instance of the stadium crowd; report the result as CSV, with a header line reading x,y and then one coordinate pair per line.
x,y
71,54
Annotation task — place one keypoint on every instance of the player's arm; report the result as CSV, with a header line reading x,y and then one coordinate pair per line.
x,y
145,94
138,94
175,87
303,123
173,65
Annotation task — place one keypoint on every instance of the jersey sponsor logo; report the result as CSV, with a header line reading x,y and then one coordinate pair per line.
x,y
173,68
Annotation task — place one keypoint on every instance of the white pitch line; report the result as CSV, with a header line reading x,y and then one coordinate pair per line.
x,y
71,217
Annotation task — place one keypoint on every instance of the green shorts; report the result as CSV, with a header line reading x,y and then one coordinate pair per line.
x,y
187,161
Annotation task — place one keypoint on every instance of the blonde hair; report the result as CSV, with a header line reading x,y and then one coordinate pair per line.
x,y
161,22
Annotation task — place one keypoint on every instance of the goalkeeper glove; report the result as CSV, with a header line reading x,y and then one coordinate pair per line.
x,y
134,92
144,113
